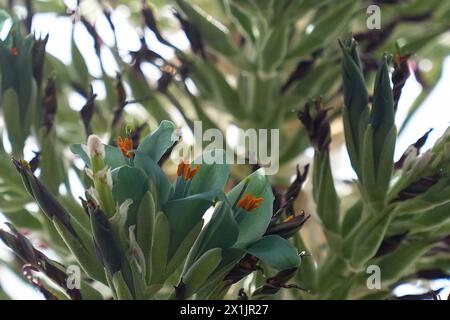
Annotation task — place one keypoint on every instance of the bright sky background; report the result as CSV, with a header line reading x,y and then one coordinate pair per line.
x,y
435,113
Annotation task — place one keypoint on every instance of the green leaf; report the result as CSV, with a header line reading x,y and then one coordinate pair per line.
x,y
255,223
160,248
397,263
382,113
161,183
324,192
222,230
130,183
276,252
197,275
11,112
121,287
367,161
386,160
241,20
274,50
106,242
351,218
156,143
82,254
210,176
183,249
367,237
356,97
183,214
146,223
89,293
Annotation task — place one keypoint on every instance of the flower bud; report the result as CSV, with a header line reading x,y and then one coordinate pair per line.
x,y
95,147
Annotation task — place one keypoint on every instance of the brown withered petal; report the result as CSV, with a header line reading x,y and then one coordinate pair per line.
x,y
295,187
193,35
23,248
418,187
289,228
121,100
30,14
430,295
399,76
49,104
34,163
38,58
135,134
242,295
247,265
28,273
278,203
150,22
180,291
85,205
164,81
87,112
277,282
432,274
167,154
144,54
303,68
107,15
44,198
314,118
390,244
373,39
94,34
386,1
80,89
442,247
184,68
417,145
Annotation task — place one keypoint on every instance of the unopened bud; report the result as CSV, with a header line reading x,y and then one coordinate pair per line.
x,y
95,147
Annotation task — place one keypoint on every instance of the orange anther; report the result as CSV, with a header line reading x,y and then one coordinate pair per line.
x,y
249,202
180,169
125,145
185,170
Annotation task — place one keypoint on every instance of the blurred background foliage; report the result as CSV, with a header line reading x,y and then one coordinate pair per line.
x,y
249,64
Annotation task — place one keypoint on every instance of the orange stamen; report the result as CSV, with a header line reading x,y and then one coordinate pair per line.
x,y
249,202
185,170
243,202
181,166
14,51
194,171
125,145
